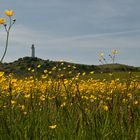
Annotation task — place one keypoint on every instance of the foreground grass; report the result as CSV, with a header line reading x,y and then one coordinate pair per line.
x,y
69,109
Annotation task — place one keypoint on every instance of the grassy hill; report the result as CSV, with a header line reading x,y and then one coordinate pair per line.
x,y
20,66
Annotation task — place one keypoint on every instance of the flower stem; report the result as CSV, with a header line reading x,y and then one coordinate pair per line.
x,y
7,38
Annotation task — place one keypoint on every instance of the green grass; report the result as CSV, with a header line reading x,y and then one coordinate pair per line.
x,y
70,106
116,75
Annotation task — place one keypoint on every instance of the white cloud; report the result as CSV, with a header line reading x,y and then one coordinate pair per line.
x,y
23,36
102,40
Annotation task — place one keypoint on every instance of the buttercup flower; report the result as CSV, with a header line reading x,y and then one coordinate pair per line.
x,y
105,107
101,54
2,20
114,51
9,13
52,126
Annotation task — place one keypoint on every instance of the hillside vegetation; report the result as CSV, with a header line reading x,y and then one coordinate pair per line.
x,y
20,67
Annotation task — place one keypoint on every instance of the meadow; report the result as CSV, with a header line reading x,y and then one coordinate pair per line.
x,y
85,106
51,102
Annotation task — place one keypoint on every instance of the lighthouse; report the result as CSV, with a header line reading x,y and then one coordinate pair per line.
x,y
32,51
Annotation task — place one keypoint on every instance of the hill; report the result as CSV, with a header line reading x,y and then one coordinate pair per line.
x,y
20,66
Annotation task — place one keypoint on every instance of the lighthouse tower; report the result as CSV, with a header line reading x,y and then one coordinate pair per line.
x,y
32,51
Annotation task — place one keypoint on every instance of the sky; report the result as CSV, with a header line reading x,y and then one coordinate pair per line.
x,y
73,30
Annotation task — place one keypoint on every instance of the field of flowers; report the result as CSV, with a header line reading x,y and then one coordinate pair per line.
x,y
67,105
69,108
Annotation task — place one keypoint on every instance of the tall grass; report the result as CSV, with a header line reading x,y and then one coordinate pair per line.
x,y
69,109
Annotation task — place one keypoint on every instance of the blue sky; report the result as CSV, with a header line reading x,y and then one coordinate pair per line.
x,y
74,30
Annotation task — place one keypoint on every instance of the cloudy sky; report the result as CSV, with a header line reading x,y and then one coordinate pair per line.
x,y
73,30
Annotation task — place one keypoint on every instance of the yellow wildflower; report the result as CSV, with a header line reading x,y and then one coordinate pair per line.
x,y
27,95
38,66
29,69
50,72
63,104
2,20
54,68
25,113
22,107
52,126
125,100
1,74
114,51
13,102
129,95
70,72
42,97
101,54
9,13
105,107
91,72
93,97
84,73
74,67
135,102
44,76
45,71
